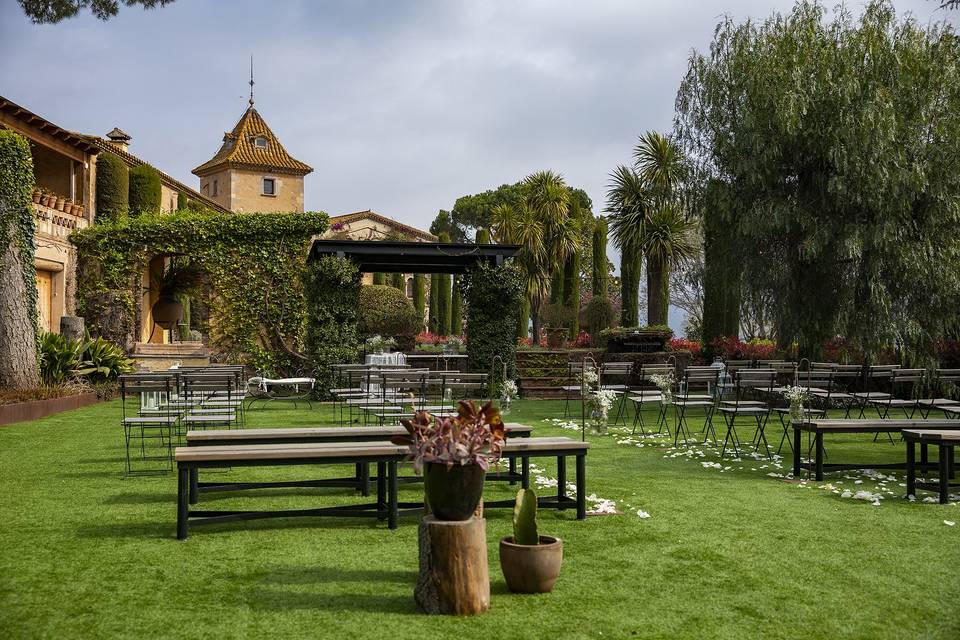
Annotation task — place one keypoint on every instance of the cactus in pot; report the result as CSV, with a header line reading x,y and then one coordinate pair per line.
x,y
530,562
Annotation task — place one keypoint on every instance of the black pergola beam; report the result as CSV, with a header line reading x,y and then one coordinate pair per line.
x,y
373,256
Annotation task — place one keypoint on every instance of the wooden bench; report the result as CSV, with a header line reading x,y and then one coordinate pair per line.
x,y
945,440
384,454
820,427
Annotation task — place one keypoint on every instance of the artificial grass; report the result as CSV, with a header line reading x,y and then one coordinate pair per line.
x,y
728,553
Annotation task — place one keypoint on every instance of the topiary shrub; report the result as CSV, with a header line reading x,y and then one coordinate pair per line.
x,y
385,311
144,190
182,201
113,188
599,314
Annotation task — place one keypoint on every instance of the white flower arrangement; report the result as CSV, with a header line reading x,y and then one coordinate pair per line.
x,y
455,344
508,391
665,384
797,396
378,343
589,378
602,400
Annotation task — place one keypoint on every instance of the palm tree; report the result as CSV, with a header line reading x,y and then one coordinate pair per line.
x,y
627,201
647,215
521,226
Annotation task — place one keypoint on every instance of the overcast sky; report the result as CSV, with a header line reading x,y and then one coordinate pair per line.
x,y
399,107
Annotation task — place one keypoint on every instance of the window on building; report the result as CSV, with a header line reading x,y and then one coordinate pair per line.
x,y
260,142
215,189
409,287
269,187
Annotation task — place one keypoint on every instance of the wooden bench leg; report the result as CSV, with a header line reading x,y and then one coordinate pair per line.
x,y
912,467
818,439
582,487
381,490
183,495
797,443
561,482
944,474
194,485
512,469
525,472
392,499
924,455
364,479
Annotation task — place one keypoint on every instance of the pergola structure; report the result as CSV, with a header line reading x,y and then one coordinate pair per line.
x,y
413,257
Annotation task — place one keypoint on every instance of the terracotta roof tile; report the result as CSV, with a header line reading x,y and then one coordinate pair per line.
x,y
238,149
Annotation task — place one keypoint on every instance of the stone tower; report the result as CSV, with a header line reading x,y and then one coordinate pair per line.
x,y
252,172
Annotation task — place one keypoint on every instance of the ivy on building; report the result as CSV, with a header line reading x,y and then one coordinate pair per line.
x,y
253,263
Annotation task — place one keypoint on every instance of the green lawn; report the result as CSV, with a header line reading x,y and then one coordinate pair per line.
x,y
726,553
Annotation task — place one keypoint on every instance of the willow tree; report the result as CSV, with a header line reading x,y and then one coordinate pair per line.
x,y
835,141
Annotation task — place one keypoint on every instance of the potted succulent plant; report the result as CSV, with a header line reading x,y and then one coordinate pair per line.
x,y
454,454
173,281
530,562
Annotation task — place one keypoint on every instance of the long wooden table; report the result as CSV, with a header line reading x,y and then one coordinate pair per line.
x,y
361,479
384,454
823,426
946,441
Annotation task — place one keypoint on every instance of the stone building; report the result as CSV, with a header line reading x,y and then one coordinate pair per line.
x,y
252,172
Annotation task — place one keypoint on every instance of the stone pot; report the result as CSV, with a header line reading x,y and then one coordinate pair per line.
x,y
454,493
557,337
167,312
531,568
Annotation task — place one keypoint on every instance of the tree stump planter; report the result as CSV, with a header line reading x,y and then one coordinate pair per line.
x,y
454,578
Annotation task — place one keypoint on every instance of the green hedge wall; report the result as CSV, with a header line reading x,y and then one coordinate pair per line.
x,y
253,262
492,294
113,188
332,288
144,190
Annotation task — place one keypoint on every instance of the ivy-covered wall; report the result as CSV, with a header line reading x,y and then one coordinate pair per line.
x,y
493,295
254,264
332,289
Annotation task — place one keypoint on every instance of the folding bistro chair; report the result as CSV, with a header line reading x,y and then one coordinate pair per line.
x,y
904,381
151,436
640,397
874,377
747,383
615,376
698,388
945,382
820,386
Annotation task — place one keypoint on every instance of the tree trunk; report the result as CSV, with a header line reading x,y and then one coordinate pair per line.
x,y
535,321
18,342
454,577
656,311
523,320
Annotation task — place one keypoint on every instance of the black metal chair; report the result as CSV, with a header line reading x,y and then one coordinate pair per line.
x,y
151,433
747,384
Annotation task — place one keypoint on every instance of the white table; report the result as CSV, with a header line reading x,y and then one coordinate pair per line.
x,y
386,359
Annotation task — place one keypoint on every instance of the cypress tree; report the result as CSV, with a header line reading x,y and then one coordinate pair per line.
x,y
433,320
419,294
397,281
379,278
181,201
600,275
456,308
630,268
571,291
443,297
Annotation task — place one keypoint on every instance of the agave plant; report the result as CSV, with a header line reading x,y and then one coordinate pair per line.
x,y
101,360
475,436
59,358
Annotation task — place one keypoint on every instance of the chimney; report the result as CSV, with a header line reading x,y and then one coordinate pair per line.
x,y
119,138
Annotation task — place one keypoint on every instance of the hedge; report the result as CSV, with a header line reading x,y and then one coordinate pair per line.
x,y
144,190
113,188
332,288
492,294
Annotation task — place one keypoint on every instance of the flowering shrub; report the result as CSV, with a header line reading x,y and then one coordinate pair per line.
x,y
475,436
682,344
732,348
582,341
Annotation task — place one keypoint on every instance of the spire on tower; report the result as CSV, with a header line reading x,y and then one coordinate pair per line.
x,y
251,80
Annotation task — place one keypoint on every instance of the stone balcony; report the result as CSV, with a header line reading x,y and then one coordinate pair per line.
x,y
57,224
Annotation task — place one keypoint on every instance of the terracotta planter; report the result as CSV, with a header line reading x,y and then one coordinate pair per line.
x,y
37,196
167,312
454,493
45,200
531,568
58,203
557,337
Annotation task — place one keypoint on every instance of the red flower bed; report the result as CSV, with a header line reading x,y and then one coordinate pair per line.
x,y
682,344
